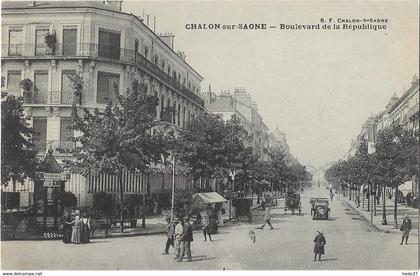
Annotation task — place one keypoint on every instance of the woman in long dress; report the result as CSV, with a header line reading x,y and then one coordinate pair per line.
x,y
75,236
67,229
85,230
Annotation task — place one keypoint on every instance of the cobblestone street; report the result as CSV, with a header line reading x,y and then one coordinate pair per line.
x,y
351,244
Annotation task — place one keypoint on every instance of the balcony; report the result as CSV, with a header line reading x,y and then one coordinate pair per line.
x,y
89,50
50,97
42,147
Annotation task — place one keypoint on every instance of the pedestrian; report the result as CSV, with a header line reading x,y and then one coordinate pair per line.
x,y
85,230
170,232
205,225
107,226
408,199
319,245
179,230
67,228
267,218
75,235
186,239
405,228
331,195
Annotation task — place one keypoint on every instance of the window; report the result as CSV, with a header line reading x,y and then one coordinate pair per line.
x,y
146,52
13,81
40,128
66,133
109,44
67,92
15,42
163,65
179,115
40,46
40,87
69,41
107,85
173,116
156,60
136,45
169,70
174,74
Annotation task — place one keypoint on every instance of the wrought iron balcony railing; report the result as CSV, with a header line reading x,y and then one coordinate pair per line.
x,y
90,50
49,97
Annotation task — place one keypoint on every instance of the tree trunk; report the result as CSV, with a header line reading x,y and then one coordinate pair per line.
x,y
395,208
384,222
122,201
368,199
363,198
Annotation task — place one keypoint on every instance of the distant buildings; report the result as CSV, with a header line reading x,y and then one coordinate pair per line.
x,y
241,104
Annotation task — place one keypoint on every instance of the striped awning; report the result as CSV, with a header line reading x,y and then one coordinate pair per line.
x,y
132,183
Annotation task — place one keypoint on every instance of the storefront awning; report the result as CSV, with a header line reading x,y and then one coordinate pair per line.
x,y
209,198
406,187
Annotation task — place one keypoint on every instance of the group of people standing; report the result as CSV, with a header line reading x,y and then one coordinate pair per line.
x,y
179,235
77,230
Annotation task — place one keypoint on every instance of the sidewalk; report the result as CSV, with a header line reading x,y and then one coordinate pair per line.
x,y
377,220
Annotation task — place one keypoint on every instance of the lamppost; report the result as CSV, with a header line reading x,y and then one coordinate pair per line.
x,y
232,175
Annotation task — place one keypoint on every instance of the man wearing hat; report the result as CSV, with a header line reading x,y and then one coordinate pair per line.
x,y
405,228
170,232
319,245
186,239
179,230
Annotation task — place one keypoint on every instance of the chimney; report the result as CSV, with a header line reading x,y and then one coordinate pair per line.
x,y
415,79
181,55
32,3
168,39
116,5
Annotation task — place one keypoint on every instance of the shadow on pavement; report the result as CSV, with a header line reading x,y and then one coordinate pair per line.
x,y
328,259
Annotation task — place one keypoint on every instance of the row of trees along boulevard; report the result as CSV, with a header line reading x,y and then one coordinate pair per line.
x,y
393,161
126,136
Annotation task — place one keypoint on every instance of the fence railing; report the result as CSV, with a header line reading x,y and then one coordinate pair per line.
x,y
96,51
49,97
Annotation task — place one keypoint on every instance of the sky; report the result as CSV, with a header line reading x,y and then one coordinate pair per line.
x,y
318,86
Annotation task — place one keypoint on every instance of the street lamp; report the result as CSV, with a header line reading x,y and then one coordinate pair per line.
x,y
232,175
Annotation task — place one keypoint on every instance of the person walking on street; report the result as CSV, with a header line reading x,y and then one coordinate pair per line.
x,y
205,222
75,235
405,228
186,239
267,218
319,245
170,232
179,230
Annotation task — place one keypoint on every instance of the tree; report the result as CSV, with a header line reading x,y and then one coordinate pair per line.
x,y
117,139
280,171
203,146
18,153
396,158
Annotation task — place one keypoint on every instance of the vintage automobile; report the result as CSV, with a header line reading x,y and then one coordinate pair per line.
x,y
320,208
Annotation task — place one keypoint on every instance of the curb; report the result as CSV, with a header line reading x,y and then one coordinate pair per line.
x,y
377,228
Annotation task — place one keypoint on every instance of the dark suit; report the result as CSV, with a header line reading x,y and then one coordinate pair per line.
x,y
186,239
405,228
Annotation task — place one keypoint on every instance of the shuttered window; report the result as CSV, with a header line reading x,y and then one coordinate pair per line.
x,y
106,86
40,86
66,133
40,46
67,93
109,44
69,41
15,42
40,127
13,81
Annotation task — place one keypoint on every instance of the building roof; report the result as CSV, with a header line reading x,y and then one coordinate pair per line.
x,y
13,5
56,4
